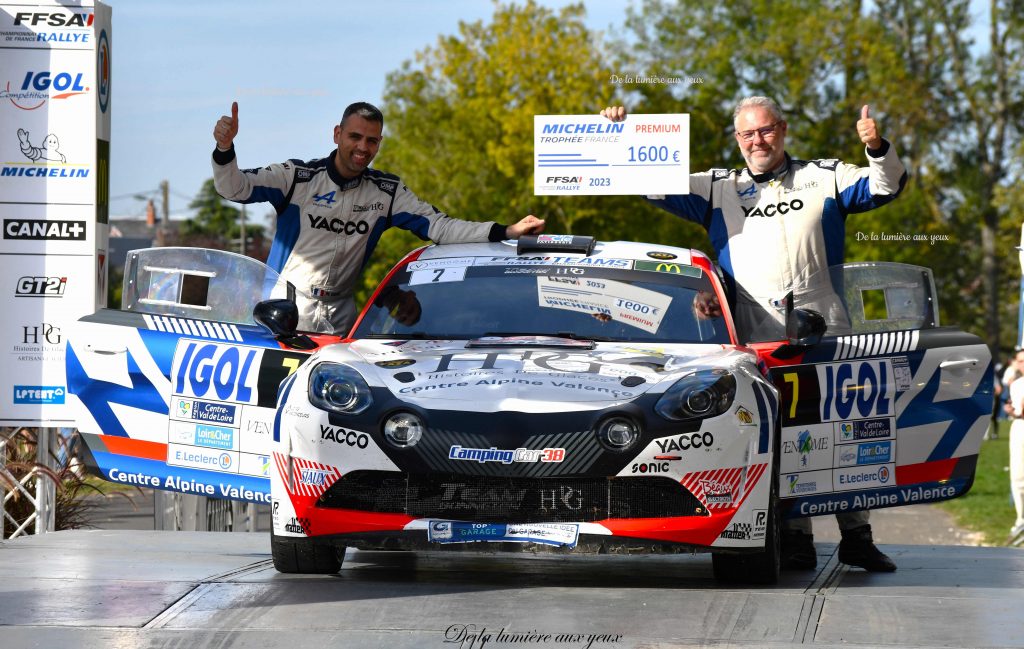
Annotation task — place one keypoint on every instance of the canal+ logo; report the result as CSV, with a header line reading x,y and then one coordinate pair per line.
x,y
37,87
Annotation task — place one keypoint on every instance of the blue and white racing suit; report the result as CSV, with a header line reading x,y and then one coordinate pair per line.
x,y
774,233
327,227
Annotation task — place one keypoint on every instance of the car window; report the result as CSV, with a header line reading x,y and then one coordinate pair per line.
x,y
469,298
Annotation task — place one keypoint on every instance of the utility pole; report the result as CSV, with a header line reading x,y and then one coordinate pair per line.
x,y
165,190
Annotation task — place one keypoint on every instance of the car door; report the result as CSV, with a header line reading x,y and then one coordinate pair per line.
x,y
177,390
889,408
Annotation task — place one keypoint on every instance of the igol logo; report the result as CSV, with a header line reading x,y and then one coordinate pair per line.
x,y
657,254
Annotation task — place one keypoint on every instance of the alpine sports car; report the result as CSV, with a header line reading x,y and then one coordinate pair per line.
x,y
554,391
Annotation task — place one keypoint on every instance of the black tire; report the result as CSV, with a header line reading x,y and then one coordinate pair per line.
x,y
759,567
305,556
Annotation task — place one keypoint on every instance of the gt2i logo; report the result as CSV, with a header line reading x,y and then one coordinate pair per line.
x,y
686,442
774,208
41,287
212,371
856,390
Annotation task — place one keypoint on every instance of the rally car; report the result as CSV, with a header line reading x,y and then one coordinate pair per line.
x,y
554,391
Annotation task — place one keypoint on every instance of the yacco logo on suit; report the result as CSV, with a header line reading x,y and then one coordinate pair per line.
x,y
213,371
855,390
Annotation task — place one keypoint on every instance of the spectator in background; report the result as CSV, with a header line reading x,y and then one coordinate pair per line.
x,y
1016,411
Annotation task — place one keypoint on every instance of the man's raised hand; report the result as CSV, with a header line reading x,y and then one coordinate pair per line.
x,y
868,130
226,128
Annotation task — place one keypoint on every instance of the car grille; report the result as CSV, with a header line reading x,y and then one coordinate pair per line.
x,y
510,500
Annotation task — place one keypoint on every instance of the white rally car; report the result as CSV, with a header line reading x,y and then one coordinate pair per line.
x,y
559,392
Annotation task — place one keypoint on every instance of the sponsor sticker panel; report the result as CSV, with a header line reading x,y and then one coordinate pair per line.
x,y
47,151
879,452
806,448
805,483
47,27
46,296
590,155
865,477
52,230
461,532
196,457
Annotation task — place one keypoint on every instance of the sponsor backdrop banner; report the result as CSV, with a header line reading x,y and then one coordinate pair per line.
x,y
54,163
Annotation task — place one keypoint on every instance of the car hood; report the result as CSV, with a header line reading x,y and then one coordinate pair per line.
x,y
540,372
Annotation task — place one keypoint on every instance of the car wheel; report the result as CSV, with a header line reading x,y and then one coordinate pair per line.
x,y
305,556
760,567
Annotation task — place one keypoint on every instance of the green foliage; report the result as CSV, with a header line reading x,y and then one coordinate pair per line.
x,y
216,218
987,507
459,127
951,109
72,505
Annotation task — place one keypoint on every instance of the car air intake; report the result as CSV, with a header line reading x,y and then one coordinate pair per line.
x,y
490,499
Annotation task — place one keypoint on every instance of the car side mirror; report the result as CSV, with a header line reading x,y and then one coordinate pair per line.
x,y
279,317
804,327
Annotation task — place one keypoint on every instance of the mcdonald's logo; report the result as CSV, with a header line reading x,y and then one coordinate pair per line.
x,y
667,267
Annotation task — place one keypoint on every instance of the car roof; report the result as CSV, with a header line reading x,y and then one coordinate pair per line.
x,y
634,250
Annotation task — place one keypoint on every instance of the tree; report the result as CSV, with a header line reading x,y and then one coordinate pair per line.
x,y
952,111
216,220
459,125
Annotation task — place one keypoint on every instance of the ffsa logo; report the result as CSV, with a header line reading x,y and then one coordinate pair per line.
x,y
212,371
40,287
53,19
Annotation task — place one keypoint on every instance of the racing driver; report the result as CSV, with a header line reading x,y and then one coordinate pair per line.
x,y
332,212
775,225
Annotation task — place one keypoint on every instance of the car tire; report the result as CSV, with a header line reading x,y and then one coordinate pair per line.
x,y
759,567
305,556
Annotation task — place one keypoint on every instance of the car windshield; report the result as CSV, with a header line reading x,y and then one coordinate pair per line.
x,y
593,299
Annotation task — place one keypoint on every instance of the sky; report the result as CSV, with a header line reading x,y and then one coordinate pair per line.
x,y
293,67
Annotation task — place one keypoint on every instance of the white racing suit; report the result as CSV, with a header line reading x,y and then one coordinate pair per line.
x,y
776,233
327,227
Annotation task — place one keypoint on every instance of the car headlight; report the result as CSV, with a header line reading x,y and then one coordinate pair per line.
x,y
403,429
707,393
618,433
338,388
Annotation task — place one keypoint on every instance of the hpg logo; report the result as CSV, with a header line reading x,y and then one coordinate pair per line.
x,y
40,334
41,287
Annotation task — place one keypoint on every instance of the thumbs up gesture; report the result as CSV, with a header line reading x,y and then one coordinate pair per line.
x,y
226,128
868,130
